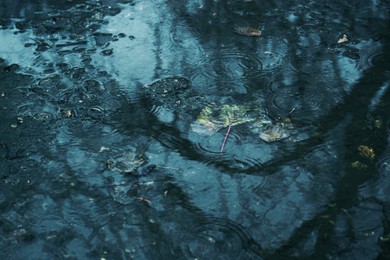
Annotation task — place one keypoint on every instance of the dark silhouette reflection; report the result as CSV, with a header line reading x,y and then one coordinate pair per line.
x,y
354,113
28,9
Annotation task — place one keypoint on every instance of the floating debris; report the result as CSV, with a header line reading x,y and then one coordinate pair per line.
x,y
343,39
103,148
143,200
275,133
359,165
378,123
128,162
366,151
247,31
213,118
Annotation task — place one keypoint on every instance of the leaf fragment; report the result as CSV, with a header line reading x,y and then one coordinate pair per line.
x,y
274,133
343,39
214,118
143,200
247,31
359,165
366,151
234,115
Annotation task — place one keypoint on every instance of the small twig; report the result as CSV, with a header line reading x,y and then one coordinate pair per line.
x,y
145,201
167,167
226,137
289,113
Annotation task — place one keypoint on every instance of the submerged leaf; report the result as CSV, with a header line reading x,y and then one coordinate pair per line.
x,y
274,133
235,115
359,165
205,128
206,116
212,118
366,151
206,122
127,162
215,118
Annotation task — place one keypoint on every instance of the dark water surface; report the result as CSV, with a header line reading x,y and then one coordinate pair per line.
x,y
104,154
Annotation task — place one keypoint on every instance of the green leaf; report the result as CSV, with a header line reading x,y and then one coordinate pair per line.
x,y
215,118
234,115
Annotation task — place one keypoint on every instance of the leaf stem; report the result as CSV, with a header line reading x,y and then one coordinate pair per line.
x,y
226,137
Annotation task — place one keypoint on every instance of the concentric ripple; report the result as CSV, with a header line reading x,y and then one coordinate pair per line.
x,y
272,61
370,53
176,37
222,238
226,69
93,86
239,153
301,99
169,91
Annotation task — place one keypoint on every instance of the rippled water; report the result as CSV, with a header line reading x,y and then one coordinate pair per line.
x,y
119,138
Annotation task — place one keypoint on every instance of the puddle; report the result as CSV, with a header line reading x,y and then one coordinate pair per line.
x,y
150,130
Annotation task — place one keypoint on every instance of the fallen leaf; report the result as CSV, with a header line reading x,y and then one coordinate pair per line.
x,y
247,31
359,165
343,39
213,118
145,201
274,133
366,151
